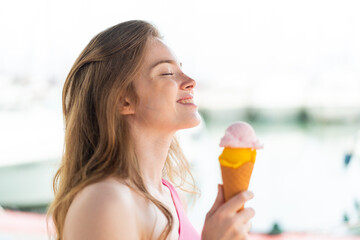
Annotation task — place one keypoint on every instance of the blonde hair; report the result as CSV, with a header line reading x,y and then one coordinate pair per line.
x,y
97,139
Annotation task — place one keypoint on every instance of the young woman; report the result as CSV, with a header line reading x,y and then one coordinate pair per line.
x,y
123,101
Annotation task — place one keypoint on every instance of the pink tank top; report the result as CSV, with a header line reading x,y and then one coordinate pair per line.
x,y
186,230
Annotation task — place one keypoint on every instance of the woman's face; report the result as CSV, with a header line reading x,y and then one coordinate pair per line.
x,y
165,92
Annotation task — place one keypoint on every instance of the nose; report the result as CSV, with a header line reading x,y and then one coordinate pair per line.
x,y
188,83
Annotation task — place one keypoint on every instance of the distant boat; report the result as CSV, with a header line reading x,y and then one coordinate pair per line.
x,y
27,186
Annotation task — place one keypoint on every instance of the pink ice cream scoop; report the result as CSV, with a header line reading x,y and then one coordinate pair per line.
x,y
240,135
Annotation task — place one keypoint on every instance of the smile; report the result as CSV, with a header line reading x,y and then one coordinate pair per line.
x,y
186,101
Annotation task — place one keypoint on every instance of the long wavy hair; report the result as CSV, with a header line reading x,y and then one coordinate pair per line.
x,y
97,138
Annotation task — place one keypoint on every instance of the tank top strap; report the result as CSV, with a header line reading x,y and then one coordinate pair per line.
x,y
186,230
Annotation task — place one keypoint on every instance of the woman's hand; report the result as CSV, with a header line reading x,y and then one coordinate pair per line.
x,y
225,221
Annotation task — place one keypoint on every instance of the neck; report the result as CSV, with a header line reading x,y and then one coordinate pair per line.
x,y
151,148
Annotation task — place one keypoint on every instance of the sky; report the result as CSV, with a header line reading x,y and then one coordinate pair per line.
x,y
248,53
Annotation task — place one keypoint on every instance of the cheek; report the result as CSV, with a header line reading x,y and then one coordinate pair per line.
x,y
166,94
158,95
171,88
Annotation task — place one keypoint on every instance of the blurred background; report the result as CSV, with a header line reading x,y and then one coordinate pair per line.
x,y
289,68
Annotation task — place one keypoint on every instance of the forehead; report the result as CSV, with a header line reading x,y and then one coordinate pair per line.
x,y
157,51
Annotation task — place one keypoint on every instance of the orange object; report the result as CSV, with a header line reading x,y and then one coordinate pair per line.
x,y
236,168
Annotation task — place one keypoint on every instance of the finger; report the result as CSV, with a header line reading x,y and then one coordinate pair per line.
x,y
218,201
238,201
245,215
247,227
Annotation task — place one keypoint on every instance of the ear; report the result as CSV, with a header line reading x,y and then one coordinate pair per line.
x,y
127,107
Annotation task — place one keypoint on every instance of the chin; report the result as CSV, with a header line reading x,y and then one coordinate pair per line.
x,y
193,122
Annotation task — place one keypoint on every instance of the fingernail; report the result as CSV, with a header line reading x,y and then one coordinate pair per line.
x,y
249,194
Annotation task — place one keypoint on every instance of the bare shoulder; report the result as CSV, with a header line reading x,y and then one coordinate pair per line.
x,y
103,210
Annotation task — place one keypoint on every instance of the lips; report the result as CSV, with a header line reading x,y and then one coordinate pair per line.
x,y
186,100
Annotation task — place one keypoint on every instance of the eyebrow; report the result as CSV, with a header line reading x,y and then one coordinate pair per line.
x,y
165,61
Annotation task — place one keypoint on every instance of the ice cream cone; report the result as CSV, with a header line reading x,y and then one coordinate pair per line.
x,y
236,169
238,158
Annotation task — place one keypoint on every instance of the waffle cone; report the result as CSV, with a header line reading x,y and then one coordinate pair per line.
x,y
236,180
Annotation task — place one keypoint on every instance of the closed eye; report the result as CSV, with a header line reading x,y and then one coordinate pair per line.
x,y
167,74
